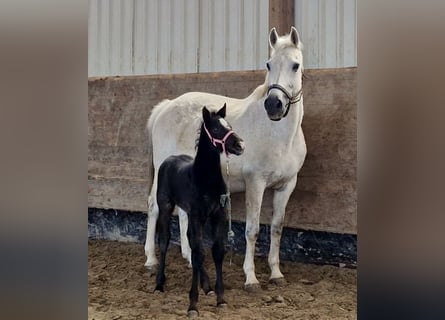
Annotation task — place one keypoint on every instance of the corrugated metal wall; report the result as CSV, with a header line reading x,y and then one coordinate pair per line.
x,y
128,37
328,29
133,37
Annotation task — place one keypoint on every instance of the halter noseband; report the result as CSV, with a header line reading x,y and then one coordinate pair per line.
x,y
222,141
291,99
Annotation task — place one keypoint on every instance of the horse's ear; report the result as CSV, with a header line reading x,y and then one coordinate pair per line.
x,y
205,114
273,37
222,112
294,36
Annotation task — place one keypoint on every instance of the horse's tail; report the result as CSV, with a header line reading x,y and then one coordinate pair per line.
x,y
149,132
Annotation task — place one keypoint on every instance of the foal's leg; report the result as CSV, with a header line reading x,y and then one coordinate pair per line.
x,y
219,231
204,277
254,197
280,199
185,246
194,234
166,209
153,213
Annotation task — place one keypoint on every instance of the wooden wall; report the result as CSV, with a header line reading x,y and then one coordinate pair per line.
x,y
326,194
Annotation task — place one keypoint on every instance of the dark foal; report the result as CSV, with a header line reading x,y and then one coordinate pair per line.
x,y
196,187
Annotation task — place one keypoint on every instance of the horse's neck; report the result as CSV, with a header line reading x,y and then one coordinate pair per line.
x,y
207,165
292,123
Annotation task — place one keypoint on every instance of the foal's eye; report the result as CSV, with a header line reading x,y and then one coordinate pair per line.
x,y
268,66
295,67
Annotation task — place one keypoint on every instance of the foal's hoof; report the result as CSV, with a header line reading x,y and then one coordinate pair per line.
x,y
278,281
158,289
222,305
210,293
252,287
192,314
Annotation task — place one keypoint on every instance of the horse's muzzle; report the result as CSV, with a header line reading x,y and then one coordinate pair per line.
x,y
274,107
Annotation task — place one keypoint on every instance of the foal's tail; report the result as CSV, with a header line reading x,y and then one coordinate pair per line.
x,y
149,133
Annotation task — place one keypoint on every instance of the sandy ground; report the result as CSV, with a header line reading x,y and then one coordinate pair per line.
x,y
119,287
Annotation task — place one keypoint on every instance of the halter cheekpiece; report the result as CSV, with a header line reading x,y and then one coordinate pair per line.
x,y
222,141
291,99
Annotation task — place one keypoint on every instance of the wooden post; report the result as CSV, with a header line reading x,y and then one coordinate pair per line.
x,y
281,15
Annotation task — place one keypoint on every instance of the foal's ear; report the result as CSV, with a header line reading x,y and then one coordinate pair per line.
x,y
273,37
205,114
294,36
222,112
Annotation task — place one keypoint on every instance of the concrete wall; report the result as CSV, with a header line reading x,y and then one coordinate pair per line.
x,y
325,197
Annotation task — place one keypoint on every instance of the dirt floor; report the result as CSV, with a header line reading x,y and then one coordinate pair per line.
x,y
119,287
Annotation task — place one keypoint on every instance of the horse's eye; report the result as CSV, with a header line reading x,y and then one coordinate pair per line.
x,y
295,67
268,66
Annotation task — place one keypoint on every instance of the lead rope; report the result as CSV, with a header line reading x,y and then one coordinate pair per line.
x,y
230,233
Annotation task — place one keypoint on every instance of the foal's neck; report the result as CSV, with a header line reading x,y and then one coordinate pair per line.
x,y
207,165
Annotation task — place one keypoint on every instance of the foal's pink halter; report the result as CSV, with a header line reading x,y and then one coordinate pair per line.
x,y
222,141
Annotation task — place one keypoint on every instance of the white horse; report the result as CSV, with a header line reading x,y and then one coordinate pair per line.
x,y
269,120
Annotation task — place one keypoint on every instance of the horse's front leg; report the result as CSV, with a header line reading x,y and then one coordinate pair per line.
x,y
185,246
254,197
280,199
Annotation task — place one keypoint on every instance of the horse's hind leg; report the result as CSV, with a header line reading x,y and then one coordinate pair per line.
x,y
280,199
153,213
166,209
185,246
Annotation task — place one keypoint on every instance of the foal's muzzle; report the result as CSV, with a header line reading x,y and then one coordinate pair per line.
x,y
237,148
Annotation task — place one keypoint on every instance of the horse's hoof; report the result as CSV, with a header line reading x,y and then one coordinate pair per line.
x,y
278,281
152,270
158,290
252,287
192,314
222,305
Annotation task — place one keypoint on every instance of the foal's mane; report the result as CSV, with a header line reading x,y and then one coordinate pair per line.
x,y
198,135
